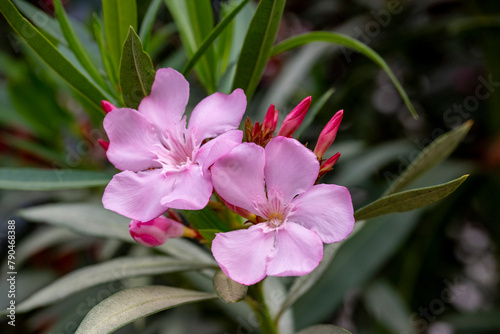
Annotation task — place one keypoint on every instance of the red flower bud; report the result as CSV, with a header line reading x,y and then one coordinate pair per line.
x,y
155,232
104,144
107,106
271,120
294,119
328,165
328,134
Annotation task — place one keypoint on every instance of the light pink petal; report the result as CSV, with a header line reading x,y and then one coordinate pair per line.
x,y
242,254
132,139
217,147
238,176
290,167
217,114
137,195
297,251
325,209
168,99
191,189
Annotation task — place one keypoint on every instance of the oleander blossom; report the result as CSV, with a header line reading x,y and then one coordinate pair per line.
x,y
276,183
163,162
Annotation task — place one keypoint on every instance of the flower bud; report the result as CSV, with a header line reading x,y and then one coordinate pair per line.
x,y
328,165
271,120
155,232
328,134
104,144
107,106
294,119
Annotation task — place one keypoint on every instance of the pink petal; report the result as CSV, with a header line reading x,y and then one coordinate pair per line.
x,y
297,251
217,147
191,189
155,232
217,114
131,139
290,167
242,254
137,195
168,99
325,209
238,176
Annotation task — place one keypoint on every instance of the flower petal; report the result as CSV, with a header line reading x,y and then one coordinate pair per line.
x,y
168,99
238,176
217,114
290,167
191,189
297,251
131,139
242,254
325,209
137,195
217,147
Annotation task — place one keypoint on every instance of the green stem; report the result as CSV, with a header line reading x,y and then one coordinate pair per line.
x,y
255,299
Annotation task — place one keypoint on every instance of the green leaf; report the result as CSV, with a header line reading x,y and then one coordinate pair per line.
x,y
119,16
206,219
195,22
98,30
352,43
50,179
228,290
324,329
76,46
131,304
136,71
408,200
93,220
432,155
110,271
148,21
208,233
208,41
50,55
258,44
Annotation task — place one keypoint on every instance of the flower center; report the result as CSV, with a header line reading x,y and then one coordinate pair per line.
x,y
275,220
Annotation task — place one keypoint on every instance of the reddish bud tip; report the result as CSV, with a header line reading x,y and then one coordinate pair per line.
x,y
271,120
104,144
328,165
155,232
328,134
107,106
294,119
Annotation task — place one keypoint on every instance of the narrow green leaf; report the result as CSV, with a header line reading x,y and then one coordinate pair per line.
x,y
119,16
50,55
76,46
98,30
148,21
324,329
408,200
228,290
432,155
194,20
207,42
110,271
131,304
50,179
93,220
352,43
136,71
258,44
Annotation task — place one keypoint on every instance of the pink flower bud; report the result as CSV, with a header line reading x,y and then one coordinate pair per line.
x,y
271,120
155,232
327,136
107,106
328,165
104,144
294,119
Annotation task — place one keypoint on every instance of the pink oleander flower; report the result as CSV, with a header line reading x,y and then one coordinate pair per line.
x,y
155,232
164,163
276,183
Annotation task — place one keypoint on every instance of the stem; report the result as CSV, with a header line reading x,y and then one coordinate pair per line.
x,y
255,299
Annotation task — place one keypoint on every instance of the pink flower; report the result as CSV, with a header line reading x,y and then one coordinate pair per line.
x,y
155,232
277,184
164,163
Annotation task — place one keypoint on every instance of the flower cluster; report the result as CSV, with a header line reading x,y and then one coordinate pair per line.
x,y
169,163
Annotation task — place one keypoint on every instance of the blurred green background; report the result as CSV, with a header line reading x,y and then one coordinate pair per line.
x,y
435,270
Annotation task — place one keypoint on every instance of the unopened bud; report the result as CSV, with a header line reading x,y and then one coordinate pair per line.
x,y
328,165
294,119
271,120
155,232
104,144
328,134
107,106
